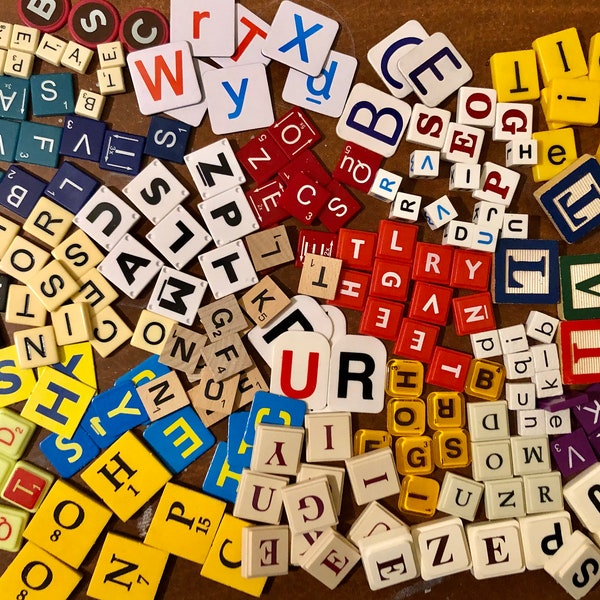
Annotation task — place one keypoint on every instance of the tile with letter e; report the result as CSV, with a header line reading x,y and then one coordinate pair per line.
x,y
68,523
265,550
179,438
82,138
13,523
579,276
52,94
68,456
34,572
126,476
185,523
39,144
571,199
127,563
167,139
526,272
15,433
122,152
14,96
26,485
557,149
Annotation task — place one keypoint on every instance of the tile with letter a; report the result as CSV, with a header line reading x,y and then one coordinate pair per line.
x,y
238,98
177,295
214,169
435,69
325,94
526,272
362,122
300,38
106,218
164,77
130,266
571,199
579,276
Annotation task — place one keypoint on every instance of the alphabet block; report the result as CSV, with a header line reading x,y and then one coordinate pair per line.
x,y
476,106
520,395
463,144
126,476
265,550
491,460
428,126
460,496
504,498
277,449
424,164
464,177
439,213
373,475
373,520
385,186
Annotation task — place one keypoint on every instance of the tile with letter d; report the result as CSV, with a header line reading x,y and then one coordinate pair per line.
x,y
15,433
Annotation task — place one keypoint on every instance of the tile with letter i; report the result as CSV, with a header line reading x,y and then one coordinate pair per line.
x,y
560,55
373,475
35,572
15,433
26,486
122,152
12,524
224,561
126,476
39,144
515,75
127,568
68,456
185,523
570,199
573,101
179,438
579,345
15,98
418,495
526,272
67,524
52,94
72,324
18,382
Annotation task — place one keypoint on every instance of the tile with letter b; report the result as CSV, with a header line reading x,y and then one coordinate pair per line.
x,y
127,568
185,523
126,476
67,524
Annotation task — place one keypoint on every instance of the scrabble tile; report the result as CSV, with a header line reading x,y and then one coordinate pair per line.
x,y
9,137
5,35
24,38
259,497
126,461
543,492
328,436
15,433
67,523
578,349
23,259
122,152
323,558
556,151
514,75
542,535
162,396
560,55
82,138
8,232
89,105
144,568
587,415
15,95
68,456
13,523
76,57
26,486
222,317
372,475
439,213
102,205
48,222
365,97
505,557
19,64
226,357
463,144
296,134
111,54
357,166
167,139
52,94
38,144
269,248
264,301
315,242
406,416
51,577
36,347
448,369
491,460
262,157
23,307
460,496
572,453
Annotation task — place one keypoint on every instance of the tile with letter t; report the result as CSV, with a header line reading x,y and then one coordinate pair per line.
x,y
52,94
238,99
526,272
579,344
26,485
167,139
300,38
82,138
39,144
515,75
144,568
179,438
126,476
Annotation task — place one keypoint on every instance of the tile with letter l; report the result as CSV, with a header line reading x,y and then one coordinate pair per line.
x,y
185,523
126,476
152,68
418,495
364,97
68,523
179,438
571,199
127,568
71,187
526,272
57,579
300,38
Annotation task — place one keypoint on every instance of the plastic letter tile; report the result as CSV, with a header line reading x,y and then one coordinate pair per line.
x,y
414,455
52,94
13,521
504,498
418,495
26,486
328,436
485,379
460,496
451,449
491,460
259,497
23,307
430,303
406,417
352,290
448,369
514,75
446,410
580,494
167,139
122,152
15,433
36,347
127,563
381,318
556,151
416,340
357,166
542,535
543,492
572,453
560,55
309,505
126,476
473,313
68,456
372,475
265,550
48,222
38,144
53,285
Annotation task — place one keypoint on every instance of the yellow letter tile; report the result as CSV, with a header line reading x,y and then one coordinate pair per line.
x,y
413,455
15,433
446,410
556,151
451,449
406,416
15,383
366,440
573,101
76,360
485,379
419,495
72,323
594,58
36,347
560,54
515,76
404,378
152,332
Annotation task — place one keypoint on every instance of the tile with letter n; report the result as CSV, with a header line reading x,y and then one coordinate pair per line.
x,y
526,272
580,287
122,152
39,144
571,199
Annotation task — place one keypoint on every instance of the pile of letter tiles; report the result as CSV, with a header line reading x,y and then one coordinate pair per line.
x,y
273,492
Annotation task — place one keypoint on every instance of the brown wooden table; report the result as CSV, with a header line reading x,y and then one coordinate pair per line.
x,y
478,29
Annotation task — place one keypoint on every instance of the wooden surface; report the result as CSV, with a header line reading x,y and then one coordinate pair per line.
x,y
478,29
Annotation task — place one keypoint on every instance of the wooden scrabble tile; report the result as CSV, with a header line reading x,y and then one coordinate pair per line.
x,y
109,331
126,476
318,559
13,521
33,568
23,307
277,449
183,349
373,475
319,277
67,524
26,485
89,104
270,248
222,317
224,561
250,382
58,402
265,550
214,396
53,285
185,523
72,323
19,64
76,57
505,558
226,357
36,347
560,55
51,49
460,496
264,301
541,535
514,75
141,572
163,395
